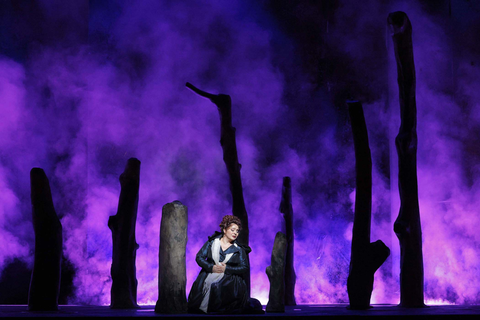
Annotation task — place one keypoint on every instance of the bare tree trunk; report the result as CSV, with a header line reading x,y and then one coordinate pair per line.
x,y
123,271
407,225
230,157
276,275
366,257
45,281
172,270
287,210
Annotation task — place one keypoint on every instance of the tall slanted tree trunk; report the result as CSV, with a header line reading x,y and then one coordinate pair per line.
x,y
123,271
407,225
366,257
287,209
230,157
45,281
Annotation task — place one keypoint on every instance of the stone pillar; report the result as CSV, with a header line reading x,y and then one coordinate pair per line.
x,y
172,271
276,275
45,281
123,271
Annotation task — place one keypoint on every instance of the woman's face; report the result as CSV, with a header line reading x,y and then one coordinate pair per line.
x,y
231,232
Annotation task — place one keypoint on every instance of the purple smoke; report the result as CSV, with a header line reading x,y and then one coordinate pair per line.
x,y
80,109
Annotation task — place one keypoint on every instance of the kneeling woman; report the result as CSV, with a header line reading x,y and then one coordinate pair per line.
x,y
220,287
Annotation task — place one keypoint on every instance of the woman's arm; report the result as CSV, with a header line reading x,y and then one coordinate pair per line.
x,y
202,255
242,266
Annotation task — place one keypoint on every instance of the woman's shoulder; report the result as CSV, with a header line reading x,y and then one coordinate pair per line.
x,y
217,234
243,247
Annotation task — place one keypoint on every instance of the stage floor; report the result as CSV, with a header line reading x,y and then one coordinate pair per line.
x,y
336,311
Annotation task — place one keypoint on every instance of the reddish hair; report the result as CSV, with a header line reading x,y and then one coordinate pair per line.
x,y
228,220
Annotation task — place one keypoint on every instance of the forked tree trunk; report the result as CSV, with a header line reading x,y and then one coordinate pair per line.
x,y
123,271
407,225
287,209
366,257
276,275
45,281
172,270
230,157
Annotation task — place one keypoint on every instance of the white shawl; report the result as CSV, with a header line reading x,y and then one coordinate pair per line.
x,y
213,277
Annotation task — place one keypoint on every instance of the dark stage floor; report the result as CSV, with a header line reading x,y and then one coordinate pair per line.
x,y
336,311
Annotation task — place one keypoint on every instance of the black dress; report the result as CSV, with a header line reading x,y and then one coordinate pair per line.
x,y
229,295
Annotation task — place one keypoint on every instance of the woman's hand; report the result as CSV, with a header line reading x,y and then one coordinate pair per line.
x,y
219,268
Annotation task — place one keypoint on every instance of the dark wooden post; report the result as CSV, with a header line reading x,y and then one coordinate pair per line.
x,y
123,271
366,257
287,209
45,281
407,225
172,270
276,275
230,157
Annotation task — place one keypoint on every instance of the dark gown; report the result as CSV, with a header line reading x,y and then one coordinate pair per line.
x,y
229,295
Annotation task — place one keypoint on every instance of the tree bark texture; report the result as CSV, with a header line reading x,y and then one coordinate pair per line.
x,y
276,275
172,270
123,271
45,281
230,157
287,209
366,257
407,225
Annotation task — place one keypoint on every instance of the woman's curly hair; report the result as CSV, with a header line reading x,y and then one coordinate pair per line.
x,y
228,220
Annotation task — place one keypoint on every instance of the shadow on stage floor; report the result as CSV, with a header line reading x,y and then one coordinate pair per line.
x,y
337,311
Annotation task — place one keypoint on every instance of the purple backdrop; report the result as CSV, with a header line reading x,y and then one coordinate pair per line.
x,y
80,107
